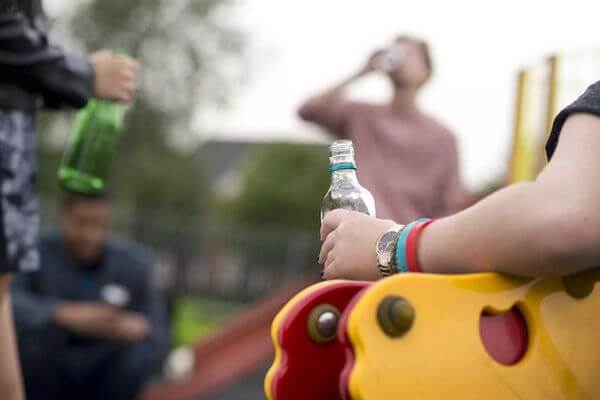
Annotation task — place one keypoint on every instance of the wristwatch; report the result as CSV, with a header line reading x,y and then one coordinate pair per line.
x,y
386,250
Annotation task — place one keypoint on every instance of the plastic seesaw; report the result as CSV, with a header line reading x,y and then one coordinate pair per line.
x,y
421,336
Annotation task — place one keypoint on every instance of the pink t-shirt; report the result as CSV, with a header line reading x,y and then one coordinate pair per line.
x,y
407,160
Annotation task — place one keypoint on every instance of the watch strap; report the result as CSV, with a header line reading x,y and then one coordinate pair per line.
x,y
391,269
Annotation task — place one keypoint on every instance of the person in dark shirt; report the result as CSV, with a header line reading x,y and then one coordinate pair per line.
x,y
36,73
548,227
90,322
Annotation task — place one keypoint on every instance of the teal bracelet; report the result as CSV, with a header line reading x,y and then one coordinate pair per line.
x,y
401,262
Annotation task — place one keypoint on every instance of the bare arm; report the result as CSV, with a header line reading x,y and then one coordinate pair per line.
x,y
11,387
328,98
543,228
312,108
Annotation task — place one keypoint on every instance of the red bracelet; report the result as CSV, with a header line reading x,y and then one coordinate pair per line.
x,y
412,247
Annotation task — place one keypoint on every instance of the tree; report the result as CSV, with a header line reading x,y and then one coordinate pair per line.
x,y
283,187
190,58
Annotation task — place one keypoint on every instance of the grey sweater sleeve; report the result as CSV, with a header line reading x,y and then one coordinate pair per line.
x,y
31,310
588,102
30,60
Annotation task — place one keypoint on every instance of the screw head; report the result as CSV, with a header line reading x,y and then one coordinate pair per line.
x,y
395,316
322,323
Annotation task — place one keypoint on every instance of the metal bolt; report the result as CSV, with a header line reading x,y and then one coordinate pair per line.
x,y
322,323
327,324
395,316
581,284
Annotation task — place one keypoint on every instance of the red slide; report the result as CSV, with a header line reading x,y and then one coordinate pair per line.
x,y
240,346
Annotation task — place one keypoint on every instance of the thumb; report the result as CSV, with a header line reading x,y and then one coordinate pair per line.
x,y
331,221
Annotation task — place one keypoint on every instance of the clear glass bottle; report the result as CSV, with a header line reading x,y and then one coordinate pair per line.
x,y
345,191
391,58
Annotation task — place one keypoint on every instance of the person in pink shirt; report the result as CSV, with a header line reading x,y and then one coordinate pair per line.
x,y
396,138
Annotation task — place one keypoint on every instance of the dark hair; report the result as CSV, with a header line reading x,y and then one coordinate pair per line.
x,y
424,49
69,198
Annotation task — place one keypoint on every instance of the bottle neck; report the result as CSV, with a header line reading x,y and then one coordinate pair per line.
x,y
346,165
343,173
343,167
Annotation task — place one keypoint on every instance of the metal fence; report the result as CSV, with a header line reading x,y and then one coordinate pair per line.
x,y
213,260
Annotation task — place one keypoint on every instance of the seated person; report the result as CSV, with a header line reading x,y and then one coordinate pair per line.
x,y
90,323
548,227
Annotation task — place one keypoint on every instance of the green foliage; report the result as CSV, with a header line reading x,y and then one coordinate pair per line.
x,y
186,48
182,47
283,187
196,317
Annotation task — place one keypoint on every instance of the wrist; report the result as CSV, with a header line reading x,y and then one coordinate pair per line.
x,y
386,249
407,257
62,314
361,73
424,252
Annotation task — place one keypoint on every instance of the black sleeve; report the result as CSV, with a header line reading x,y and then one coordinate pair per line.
x,y
153,307
30,60
32,311
588,102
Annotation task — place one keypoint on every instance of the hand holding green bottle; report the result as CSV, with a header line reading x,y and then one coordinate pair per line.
x,y
114,75
86,160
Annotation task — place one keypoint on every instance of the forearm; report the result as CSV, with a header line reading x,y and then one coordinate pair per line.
x,y
11,387
524,229
328,97
83,318
61,316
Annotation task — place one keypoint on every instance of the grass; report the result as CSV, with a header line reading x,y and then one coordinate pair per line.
x,y
196,317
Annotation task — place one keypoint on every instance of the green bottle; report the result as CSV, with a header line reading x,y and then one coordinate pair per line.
x,y
86,160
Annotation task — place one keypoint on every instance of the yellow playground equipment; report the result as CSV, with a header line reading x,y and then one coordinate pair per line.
x,y
421,336
424,336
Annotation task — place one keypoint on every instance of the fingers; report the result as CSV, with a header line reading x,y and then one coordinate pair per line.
x,y
128,74
129,68
378,52
331,221
331,272
326,247
127,86
126,92
123,95
330,259
129,62
126,69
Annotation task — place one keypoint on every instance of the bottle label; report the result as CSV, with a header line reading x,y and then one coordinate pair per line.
x,y
343,165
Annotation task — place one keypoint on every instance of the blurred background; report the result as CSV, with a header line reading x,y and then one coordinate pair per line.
x,y
219,178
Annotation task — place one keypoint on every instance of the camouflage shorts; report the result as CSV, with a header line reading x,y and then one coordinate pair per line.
x,y
19,215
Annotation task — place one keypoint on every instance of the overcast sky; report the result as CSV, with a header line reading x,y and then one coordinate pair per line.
x,y
299,47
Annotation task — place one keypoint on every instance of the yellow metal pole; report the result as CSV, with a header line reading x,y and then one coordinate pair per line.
x,y
515,169
552,91
551,107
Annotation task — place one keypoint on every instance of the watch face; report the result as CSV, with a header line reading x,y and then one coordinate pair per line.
x,y
386,242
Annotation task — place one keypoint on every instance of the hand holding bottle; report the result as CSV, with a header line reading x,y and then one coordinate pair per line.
x,y
114,75
385,60
373,62
349,243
